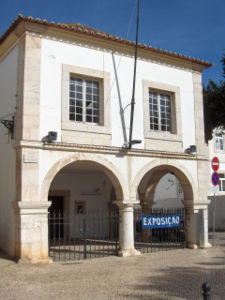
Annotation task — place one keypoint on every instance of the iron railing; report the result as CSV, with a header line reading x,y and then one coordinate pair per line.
x,y
159,239
82,236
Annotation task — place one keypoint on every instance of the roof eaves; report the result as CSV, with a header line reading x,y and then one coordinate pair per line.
x,y
76,27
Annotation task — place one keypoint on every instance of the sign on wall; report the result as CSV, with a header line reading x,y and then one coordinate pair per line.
x,y
148,222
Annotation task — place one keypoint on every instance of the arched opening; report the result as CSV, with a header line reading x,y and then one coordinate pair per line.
x,y
165,193
83,219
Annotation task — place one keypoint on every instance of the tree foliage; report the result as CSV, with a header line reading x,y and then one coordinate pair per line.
x,y
214,105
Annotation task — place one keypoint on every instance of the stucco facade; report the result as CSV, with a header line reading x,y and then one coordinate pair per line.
x,y
217,204
45,56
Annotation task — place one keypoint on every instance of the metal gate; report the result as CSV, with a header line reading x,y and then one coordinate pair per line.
x,y
159,239
82,236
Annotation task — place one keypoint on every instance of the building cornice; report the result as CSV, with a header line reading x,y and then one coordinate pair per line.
x,y
91,36
118,151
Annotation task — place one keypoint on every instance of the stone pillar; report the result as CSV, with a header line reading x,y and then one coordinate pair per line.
x,y
191,227
203,228
126,230
31,232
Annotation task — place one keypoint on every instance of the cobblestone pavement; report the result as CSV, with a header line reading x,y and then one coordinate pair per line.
x,y
175,274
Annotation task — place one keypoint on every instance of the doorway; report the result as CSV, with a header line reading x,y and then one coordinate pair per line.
x,y
56,215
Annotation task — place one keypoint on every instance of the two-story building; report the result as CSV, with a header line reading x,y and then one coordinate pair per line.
x,y
69,90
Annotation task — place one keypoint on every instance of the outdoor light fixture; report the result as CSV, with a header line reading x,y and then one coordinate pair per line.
x,y
133,142
191,150
9,124
51,137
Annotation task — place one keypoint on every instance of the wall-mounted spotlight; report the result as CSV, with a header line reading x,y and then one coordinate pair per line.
x,y
191,150
51,137
9,124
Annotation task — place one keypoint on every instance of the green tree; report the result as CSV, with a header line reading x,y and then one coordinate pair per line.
x,y
214,105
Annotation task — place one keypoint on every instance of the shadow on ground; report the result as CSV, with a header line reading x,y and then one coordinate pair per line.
x,y
185,282
182,283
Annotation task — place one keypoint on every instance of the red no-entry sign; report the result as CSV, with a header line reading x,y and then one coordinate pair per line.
x,y
215,163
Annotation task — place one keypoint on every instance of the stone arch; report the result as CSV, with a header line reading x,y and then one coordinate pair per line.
x,y
103,164
148,177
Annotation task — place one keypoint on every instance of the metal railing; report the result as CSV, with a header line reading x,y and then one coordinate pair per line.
x,y
159,239
82,236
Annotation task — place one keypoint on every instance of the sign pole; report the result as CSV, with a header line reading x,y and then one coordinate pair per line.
x,y
215,164
214,218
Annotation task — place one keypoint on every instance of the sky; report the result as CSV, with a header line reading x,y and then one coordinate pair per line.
x,y
195,28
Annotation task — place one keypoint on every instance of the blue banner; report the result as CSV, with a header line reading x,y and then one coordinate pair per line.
x,y
160,221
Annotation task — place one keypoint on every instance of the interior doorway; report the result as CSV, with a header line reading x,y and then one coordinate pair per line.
x,y
56,211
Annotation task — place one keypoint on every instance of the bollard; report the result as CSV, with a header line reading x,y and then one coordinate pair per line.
x,y
206,291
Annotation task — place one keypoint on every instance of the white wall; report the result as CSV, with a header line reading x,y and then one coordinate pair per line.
x,y
55,54
219,205
82,187
8,88
220,196
166,193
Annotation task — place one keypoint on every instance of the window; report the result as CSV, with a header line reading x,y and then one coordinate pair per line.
x,y
219,142
86,105
222,182
84,100
160,111
162,116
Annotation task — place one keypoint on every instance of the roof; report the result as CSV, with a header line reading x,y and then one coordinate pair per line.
x,y
82,29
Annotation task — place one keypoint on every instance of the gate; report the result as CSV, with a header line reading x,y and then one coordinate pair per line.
x,y
159,239
82,236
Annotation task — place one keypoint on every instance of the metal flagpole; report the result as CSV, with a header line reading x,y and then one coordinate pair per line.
x,y
134,81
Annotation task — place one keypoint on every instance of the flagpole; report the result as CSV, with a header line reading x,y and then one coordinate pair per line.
x,y
134,81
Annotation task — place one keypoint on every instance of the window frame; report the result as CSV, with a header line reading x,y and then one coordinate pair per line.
x,y
159,110
84,100
220,182
222,138
175,135
104,125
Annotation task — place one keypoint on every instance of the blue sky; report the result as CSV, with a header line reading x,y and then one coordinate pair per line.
x,y
195,27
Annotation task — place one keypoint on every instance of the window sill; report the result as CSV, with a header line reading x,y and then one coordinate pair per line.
x,y
165,136
219,151
163,141
85,127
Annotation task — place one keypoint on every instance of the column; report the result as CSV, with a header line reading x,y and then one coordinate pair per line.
x,y
191,227
126,230
203,228
31,232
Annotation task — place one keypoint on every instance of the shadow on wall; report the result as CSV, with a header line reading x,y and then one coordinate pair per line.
x,y
219,205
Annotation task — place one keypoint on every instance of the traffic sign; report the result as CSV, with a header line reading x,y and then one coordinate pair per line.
x,y
215,163
215,178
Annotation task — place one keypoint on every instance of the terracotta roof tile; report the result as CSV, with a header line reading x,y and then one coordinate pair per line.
x,y
77,27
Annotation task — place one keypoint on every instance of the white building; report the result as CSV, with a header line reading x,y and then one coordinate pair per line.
x,y
217,205
77,82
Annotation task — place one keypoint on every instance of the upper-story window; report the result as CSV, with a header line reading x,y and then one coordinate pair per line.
x,y
160,111
86,105
222,182
84,101
219,141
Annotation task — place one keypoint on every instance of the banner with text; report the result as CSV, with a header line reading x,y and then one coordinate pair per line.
x,y
160,221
